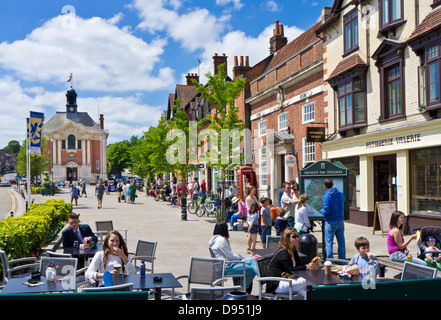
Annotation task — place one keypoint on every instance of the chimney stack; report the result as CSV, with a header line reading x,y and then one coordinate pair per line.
x,y
191,76
242,68
278,40
218,60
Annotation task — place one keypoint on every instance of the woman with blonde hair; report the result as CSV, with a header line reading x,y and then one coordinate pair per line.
x,y
113,258
302,223
287,260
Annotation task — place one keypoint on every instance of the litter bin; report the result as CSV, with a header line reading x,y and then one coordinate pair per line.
x,y
184,207
308,246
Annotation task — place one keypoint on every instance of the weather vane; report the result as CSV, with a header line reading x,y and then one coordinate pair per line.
x,y
70,77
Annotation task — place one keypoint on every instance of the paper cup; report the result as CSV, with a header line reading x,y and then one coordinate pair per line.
x,y
328,270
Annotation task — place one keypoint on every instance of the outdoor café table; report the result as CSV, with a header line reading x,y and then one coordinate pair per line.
x,y
19,285
83,253
148,282
318,277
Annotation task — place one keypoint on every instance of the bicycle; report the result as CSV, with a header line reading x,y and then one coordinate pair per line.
x,y
194,206
207,207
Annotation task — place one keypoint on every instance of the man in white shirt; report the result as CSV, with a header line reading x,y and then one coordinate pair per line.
x,y
288,203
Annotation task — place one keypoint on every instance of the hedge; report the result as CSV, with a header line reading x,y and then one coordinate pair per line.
x,y
25,235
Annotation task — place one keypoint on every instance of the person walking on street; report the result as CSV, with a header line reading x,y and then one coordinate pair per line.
x,y
132,192
334,225
99,193
83,188
74,193
288,203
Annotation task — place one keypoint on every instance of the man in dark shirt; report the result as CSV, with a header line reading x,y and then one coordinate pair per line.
x,y
99,192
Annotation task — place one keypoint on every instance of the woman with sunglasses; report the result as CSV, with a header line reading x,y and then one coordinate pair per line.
x,y
287,260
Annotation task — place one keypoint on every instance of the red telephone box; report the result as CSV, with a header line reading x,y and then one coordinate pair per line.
x,y
246,177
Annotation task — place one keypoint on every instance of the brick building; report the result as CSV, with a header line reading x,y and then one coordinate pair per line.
x,y
77,144
285,99
381,65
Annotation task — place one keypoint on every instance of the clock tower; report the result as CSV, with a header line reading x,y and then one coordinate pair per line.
x,y
71,106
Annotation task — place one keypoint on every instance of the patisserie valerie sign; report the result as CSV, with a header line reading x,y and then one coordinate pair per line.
x,y
394,141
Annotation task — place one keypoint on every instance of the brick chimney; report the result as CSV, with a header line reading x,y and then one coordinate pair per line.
x,y
102,121
191,76
218,60
242,68
278,40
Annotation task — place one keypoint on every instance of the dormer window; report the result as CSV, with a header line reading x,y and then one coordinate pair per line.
x,y
391,15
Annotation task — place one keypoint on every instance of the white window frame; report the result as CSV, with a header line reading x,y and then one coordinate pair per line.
x,y
97,164
282,119
263,169
308,151
262,130
306,114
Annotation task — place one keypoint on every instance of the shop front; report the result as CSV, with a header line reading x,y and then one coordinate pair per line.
x,y
401,164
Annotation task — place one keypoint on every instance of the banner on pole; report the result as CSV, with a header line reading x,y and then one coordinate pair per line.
x,y
35,128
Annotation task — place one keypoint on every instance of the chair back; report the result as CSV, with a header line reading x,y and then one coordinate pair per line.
x,y
263,264
119,287
63,266
58,254
146,248
211,293
205,270
5,264
104,225
272,242
416,271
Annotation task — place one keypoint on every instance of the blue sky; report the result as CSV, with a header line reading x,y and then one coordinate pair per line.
x,y
126,56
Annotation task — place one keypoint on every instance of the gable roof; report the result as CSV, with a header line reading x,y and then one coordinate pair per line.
x,y
430,22
83,121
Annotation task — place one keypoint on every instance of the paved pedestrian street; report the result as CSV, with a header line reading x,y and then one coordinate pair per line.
x,y
179,239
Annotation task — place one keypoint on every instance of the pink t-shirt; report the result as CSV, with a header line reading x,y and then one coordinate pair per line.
x,y
391,244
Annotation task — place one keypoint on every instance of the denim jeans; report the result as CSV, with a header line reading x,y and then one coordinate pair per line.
x,y
237,268
401,257
337,229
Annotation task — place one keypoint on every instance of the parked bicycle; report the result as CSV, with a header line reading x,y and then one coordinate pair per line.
x,y
195,205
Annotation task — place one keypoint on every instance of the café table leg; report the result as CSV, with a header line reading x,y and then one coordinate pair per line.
x,y
157,293
308,292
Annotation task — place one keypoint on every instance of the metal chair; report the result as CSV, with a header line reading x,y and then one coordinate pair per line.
x,y
416,271
272,242
204,271
65,267
234,276
145,251
31,264
119,287
211,293
103,227
263,267
81,273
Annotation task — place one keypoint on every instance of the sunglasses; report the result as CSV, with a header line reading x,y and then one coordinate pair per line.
x,y
294,237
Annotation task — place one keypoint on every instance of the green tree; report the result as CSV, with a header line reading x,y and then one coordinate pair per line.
x,y
118,156
179,153
222,92
39,163
12,147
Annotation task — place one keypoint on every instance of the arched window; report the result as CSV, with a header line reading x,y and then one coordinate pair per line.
x,y
71,142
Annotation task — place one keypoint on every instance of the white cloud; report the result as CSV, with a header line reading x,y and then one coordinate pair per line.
x,y
201,32
272,6
101,56
236,3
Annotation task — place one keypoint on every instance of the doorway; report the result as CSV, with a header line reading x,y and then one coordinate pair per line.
x,y
385,178
72,173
